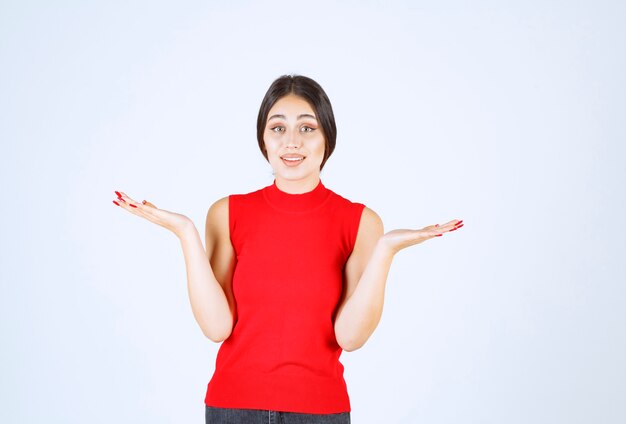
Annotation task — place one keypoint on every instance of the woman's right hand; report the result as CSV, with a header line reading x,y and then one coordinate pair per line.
x,y
172,221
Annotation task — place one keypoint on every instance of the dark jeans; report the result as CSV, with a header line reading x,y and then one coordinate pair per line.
x,y
214,415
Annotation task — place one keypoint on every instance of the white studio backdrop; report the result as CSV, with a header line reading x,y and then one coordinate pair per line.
x,y
508,115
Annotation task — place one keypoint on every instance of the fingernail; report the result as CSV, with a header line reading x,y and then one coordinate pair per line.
x,y
118,194
438,235
144,202
459,222
130,204
456,228
436,225
116,203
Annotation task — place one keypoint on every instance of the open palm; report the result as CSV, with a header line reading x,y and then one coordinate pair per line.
x,y
397,240
172,221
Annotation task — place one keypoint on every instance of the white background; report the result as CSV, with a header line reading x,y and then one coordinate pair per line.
x,y
509,116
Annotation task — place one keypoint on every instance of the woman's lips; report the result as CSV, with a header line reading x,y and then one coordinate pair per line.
x,y
292,161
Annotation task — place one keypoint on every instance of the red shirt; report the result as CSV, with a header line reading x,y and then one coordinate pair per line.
x,y
282,354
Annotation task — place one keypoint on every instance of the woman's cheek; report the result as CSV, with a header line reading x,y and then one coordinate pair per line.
x,y
271,144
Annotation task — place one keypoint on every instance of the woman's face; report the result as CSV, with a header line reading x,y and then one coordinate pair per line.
x,y
294,140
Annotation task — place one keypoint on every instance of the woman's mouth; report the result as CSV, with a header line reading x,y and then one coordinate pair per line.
x,y
292,160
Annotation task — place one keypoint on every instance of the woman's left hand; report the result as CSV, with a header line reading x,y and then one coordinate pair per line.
x,y
397,240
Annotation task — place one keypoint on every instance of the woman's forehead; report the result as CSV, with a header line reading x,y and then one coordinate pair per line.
x,y
291,104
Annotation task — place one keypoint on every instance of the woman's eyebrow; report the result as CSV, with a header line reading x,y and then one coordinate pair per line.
x,y
304,115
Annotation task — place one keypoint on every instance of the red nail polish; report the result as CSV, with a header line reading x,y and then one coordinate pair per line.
x,y
116,203
438,235
132,205
118,194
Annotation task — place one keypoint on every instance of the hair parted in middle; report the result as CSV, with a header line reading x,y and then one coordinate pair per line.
x,y
313,94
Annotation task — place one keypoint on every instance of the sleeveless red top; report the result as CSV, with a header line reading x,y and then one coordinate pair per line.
x,y
282,354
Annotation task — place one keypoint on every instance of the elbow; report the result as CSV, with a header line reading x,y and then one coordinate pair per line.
x,y
350,345
351,339
351,348
217,335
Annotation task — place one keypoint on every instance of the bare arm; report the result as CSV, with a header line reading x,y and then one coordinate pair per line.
x,y
365,276
209,274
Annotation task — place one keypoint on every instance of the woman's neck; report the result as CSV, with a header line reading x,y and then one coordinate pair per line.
x,y
298,186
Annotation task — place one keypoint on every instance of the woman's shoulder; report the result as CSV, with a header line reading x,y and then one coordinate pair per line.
x,y
247,194
218,211
370,220
346,202
220,203
367,215
220,208
223,202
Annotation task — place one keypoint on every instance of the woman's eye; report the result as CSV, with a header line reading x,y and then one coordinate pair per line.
x,y
307,129
278,129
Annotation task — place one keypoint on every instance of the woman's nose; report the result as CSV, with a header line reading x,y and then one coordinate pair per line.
x,y
293,140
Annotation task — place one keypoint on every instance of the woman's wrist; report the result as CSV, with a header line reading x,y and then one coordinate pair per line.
x,y
186,229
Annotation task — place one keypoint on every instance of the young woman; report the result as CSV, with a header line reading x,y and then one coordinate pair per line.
x,y
292,274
